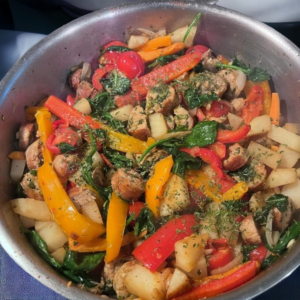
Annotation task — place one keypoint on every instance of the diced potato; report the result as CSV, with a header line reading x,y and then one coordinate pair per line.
x,y
289,157
91,210
27,222
178,35
122,113
59,254
285,137
292,190
83,106
280,177
31,208
137,41
77,178
260,125
143,283
179,283
198,272
52,234
208,224
265,155
97,161
234,121
175,197
188,251
158,126
292,127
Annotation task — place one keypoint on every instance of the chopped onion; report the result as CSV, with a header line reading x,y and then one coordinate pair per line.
x,y
17,170
290,244
208,251
235,262
269,225
147,33
98,161
86,71
240,79
275,237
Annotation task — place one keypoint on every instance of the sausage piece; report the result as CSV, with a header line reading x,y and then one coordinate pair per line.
x,y
209,61
161,99
31,186
182,118
249,231
137,124
84,90
74,78
34,155
238,104
26,135
65,165
128,185
237,157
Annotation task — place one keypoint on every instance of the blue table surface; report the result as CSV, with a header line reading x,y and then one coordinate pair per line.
x,y
15,283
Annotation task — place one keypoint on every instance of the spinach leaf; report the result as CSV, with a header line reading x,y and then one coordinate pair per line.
x,y
116,84
65,148
278,200
33,172
41,247
145,221
255,74
245,173
204,133
246,249
117,49
88,264
117,159
268,261
163,60
195,99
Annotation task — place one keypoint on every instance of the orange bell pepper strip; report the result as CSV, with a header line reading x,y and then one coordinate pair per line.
x,y
154,44
215,285
148,56
155,184
275,109
116,222
115,140
99,244
267,98
200,181
80,228
43,118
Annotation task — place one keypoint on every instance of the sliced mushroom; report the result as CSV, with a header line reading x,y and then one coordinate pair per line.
x,y
34,155
249,231
26,135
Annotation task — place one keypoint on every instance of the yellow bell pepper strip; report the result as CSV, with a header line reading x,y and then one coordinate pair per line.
x,y
30,112
266,91
115,140
200,181
236,192
148,56
116,222
275,109
215,285
43,118
75,225
155,184
154,44
99,244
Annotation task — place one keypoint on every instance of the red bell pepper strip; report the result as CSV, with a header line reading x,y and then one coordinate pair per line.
x,y
224,183
220,258
222,283
99,74
166,73
207,156
217,109
159,246
217,243
70,100
228,136
219,148
131,97
259,253
254,104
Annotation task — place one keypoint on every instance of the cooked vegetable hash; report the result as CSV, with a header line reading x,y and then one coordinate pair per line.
x,y
164,174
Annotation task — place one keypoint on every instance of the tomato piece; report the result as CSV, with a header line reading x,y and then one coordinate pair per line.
x,y
62,134
99,74
131,64
115,43
217,109
217,243
57,123
220,258
199,48
110,58
135,208
259,253
70,100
